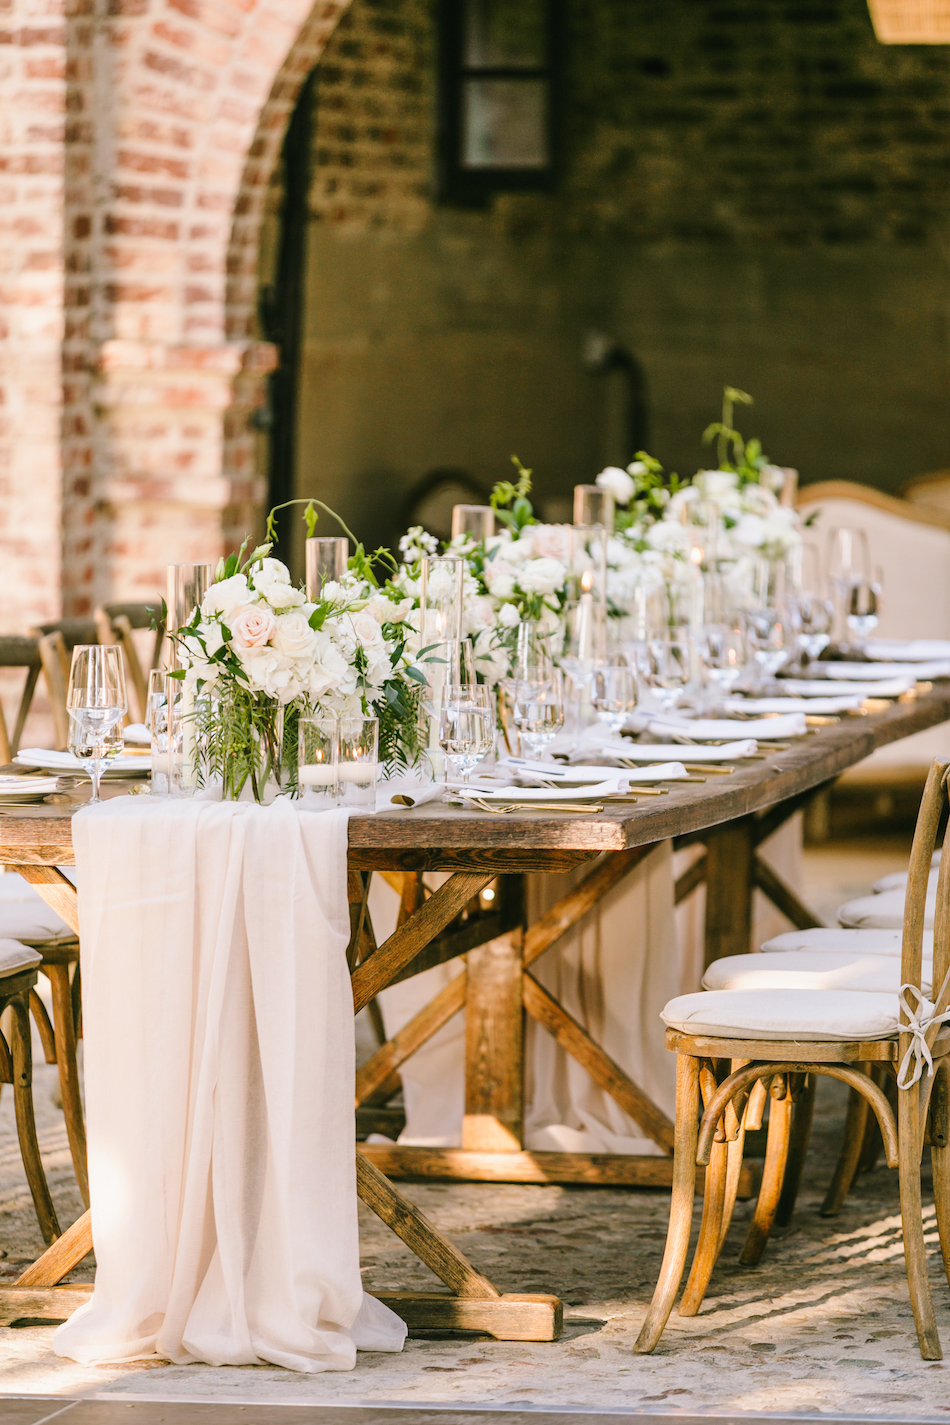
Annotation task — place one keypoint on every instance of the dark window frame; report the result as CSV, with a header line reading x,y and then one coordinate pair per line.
x,y
473,187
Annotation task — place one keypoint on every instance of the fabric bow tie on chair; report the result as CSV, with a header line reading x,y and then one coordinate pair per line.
x,y
919,1020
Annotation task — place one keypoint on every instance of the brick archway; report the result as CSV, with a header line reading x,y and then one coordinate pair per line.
x,y
178,117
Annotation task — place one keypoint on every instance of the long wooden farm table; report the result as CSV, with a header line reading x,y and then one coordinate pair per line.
x,y
731,814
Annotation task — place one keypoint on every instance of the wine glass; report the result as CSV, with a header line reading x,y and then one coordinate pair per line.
x,y
811,611
669,666
538,712
585,641
614,696
723,653
466,726
97,702
849,562
770,637
864,605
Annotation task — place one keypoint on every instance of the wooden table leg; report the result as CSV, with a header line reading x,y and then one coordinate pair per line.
x,y
730,882
494,1047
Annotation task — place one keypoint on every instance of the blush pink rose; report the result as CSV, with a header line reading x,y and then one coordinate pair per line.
x,y
251,626
551,541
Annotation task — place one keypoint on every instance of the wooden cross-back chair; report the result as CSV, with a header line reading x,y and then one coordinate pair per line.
x,y
784,1073
18,652
115,623
16,1068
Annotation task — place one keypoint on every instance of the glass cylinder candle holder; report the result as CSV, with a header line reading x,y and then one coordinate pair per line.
x,y
186,722
440,598
358,760
187,586
157,715
318,761
326,563
588,563
593,506
475,522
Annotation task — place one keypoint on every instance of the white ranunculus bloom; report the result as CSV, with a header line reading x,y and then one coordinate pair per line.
x,y
541,576
667,536
224,597
280,595
508,616
618,482
294,637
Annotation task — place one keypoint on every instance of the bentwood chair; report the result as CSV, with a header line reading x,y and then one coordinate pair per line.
x,y
776,1042
18,969
115,623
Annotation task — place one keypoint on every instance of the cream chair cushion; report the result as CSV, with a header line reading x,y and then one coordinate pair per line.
x,y
810,970
14,956
882,912
805,1015
839,941
24,914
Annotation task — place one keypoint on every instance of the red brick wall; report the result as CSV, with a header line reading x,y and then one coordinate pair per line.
x,y
129,365
32,91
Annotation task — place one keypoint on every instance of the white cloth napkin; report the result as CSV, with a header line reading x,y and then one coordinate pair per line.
x,y
881,688
219,1061
577,772
908,650
706,729
874,672
670,751
822,706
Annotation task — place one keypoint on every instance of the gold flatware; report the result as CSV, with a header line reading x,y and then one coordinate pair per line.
x,y
709,770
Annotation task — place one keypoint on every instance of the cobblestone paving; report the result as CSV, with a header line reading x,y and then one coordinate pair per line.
x,y
822,1325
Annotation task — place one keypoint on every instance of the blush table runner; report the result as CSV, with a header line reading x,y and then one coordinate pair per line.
x,y
219,1064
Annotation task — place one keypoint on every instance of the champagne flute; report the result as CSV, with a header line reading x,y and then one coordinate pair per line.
x,y
97,702
466,726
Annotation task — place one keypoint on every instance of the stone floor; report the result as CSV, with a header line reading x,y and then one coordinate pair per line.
x,y
822,1326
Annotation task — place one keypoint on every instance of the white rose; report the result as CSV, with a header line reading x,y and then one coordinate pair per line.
x,y
224,597
272,571
521,549
251,626
294,637
279,595
479,613
618,482
541,576
637,467
366,629
508,616
551,541
499,576
211,635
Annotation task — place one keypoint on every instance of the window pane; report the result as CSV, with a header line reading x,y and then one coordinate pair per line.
x,y
499,33
504,123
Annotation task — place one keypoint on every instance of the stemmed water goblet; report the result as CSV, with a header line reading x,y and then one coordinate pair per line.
x,y
538,711
97,702
669,664
722,651
466,726
614,695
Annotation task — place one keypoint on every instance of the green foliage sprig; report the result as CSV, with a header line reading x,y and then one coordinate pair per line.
x,y
744,457
510,502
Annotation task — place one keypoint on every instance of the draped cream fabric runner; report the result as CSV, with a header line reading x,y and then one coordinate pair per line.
x,y
614,973
219,1067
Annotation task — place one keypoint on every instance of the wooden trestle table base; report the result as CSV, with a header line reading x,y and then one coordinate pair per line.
x,y
731,814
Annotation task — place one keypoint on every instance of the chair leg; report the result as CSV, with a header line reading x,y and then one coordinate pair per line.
x,y
65,1026
871,1148
940,1161
45,1028
710,1232
849,1157
915,1254
773,1175
719,1200
802,1115
25,1122
681,1203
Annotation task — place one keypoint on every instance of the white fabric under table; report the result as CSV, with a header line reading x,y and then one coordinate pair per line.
x,y
219,1066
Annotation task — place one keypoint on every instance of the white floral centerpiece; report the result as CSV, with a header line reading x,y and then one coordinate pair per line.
x,y
257,654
